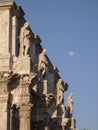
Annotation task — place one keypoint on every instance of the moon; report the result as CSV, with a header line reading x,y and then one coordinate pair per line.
x,y
71,53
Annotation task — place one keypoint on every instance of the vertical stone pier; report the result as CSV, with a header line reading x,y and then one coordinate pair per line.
x,y
9,15
5,35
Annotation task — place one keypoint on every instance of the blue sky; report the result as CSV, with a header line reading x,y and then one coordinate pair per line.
x,y
69,31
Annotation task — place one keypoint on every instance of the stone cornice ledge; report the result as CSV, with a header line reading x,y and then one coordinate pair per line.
x,y
11,4
7,3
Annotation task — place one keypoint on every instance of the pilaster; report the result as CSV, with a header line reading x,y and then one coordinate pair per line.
x,y
5,35
9,13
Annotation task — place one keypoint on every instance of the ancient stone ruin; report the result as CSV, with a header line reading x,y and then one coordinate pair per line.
x,y
31,89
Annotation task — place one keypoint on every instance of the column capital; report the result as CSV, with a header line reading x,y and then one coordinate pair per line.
x,y
4,81
27,78
25,110
5,76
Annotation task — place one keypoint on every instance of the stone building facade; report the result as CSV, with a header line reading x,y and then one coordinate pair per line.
x,y
31,89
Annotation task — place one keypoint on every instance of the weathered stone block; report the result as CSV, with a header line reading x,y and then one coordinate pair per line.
x,y
21,65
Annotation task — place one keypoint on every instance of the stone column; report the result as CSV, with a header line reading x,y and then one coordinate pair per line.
x,y
5,35
24,113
